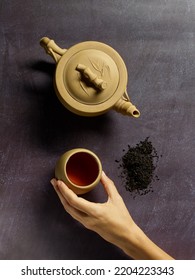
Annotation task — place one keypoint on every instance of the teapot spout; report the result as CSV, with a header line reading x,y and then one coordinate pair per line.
x,y
52,48
125,107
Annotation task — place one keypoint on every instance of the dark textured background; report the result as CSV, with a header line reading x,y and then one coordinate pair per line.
x,y
156,40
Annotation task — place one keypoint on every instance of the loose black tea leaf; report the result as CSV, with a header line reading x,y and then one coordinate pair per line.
x,y
137,167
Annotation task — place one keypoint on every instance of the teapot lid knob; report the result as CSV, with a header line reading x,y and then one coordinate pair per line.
x,y
91,77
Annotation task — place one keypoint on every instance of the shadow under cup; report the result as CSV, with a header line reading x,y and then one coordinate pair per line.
x,y
82,169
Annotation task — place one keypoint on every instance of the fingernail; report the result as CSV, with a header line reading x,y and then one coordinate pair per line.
x,y
53,181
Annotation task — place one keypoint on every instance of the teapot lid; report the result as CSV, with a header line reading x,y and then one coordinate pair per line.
x,y
90,78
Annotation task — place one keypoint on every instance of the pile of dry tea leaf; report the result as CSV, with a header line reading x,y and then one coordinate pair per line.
x,y
137,167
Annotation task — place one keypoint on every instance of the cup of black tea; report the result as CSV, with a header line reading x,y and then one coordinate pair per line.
x,y
80,169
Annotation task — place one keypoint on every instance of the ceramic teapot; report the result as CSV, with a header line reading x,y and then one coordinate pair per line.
x,y
90,78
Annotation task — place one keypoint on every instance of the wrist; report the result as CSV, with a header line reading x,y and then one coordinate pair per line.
x,y
138,246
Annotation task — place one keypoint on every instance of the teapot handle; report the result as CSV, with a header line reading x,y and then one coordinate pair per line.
x,y
52,48
124,106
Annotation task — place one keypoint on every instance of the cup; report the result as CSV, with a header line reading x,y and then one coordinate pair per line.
x,y
80,169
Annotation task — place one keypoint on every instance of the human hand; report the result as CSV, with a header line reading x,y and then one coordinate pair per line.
x,y
111,219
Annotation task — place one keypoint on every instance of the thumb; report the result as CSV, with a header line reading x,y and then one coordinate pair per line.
x,y
109,186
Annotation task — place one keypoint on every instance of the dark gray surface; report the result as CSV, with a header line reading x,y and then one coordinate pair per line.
x,y
156,40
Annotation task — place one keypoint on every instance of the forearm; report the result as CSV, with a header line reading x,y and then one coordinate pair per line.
x,y
138,246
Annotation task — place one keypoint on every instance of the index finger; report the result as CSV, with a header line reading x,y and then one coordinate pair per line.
x,y
75,201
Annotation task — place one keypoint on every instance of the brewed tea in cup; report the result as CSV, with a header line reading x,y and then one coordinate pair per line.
x,y
80,169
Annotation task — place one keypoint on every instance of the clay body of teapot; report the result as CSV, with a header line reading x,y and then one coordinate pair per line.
x,y
90,78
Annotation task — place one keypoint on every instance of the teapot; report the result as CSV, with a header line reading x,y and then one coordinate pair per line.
x,y
90,78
